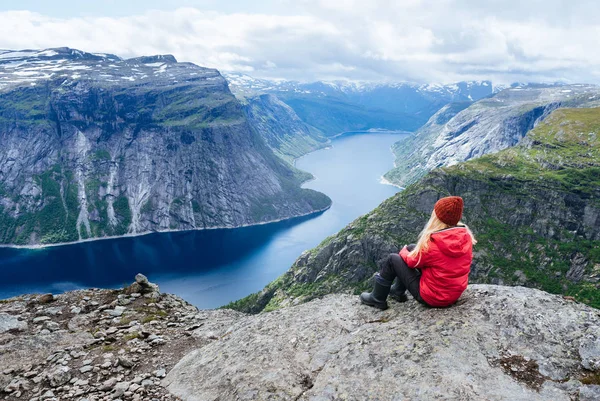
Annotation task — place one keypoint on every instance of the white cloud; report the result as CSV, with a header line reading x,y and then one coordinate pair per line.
x,y
444,41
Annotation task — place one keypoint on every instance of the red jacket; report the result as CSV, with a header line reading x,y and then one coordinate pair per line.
x,y
445,266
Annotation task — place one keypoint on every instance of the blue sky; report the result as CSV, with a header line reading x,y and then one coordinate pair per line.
x,y
378,40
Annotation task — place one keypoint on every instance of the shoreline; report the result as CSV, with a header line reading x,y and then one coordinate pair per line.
x,y
373,131
130,235
382,181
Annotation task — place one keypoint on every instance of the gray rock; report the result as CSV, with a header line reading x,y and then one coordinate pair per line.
x,y
117,311
147,383
124,301
53,311
142,280
86,368
59,376
120,388
497,343
577,268
134,288
589,393
108,384
589,352
10,322
160,373
51,326
152,295
40,319
126,362
47,395
78,322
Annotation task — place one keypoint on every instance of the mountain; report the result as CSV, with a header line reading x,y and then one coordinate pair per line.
x,y
336,107
458,133
284,132
94,146
496,343
535,209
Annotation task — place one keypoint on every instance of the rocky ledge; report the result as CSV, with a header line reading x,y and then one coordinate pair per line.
x,y
99,344
497,343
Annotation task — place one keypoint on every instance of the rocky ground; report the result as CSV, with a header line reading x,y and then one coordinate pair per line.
x,y
99,344
497,343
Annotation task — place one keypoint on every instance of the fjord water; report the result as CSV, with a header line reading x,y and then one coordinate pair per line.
x,y
210,268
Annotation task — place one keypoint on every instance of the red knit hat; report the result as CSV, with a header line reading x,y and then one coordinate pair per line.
x,y
449,209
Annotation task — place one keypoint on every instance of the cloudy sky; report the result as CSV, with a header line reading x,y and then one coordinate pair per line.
x,y
404,40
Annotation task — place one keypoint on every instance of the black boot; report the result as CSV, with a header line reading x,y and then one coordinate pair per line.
x,y
397,294
378,297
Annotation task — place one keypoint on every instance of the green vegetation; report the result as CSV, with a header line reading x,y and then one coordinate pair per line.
x,y
527,206
122,210
52,216
27,105
101,154
556,167
197,110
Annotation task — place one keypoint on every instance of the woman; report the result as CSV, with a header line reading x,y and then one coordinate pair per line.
x,y
435,270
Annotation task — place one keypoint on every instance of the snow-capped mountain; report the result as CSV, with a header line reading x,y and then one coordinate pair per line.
x,y
244,84
30,67
338,106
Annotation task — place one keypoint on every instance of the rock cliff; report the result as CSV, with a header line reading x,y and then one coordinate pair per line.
x,y
496,343
284,132
94,145
456,133
535,209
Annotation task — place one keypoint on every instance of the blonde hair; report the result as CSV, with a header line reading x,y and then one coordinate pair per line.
x,y
434,224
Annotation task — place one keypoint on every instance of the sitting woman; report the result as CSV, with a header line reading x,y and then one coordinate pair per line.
x,y
435,270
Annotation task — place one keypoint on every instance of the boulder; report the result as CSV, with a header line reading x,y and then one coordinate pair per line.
x,y
45,299
496,343
10,322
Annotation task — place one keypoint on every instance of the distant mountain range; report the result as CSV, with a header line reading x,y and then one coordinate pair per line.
x,y
336,107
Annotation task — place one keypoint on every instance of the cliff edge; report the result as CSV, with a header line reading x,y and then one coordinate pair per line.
x,y
497,343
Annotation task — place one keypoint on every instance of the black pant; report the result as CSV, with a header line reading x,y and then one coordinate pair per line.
x,y
408,279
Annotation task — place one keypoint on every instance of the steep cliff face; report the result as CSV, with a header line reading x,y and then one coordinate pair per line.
x,y
487,126
535,209
284,132
93,145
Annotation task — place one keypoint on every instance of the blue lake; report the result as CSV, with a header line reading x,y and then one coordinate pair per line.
x,y
213,267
